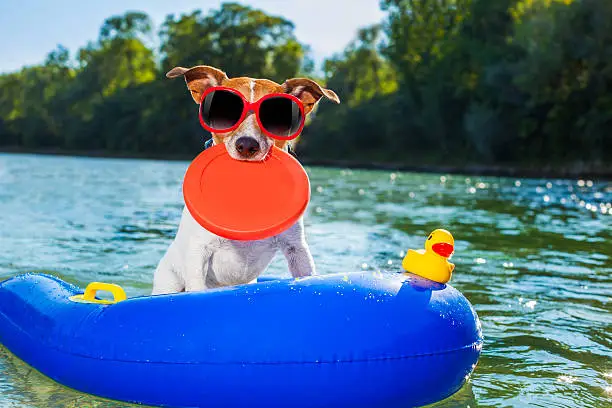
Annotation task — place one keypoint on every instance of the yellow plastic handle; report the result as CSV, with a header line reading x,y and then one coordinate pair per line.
x,y
90,293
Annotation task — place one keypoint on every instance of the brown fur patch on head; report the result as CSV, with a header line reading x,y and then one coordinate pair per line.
x,y
199,79
308,91
242,85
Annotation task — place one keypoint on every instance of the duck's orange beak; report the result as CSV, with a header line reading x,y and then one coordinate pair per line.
x,y
443,249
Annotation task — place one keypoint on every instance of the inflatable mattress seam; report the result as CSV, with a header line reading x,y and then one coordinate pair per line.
x,y
474,345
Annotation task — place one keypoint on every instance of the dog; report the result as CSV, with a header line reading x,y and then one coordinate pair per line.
x,y
197,260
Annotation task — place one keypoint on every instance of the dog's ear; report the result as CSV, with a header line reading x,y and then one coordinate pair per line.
x,y
198,79
308,91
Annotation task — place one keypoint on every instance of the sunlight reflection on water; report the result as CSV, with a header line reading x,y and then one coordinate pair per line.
x,y
533,256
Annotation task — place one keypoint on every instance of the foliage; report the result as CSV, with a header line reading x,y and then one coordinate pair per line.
x,y
241,40
361,73
481,81
436,81
114,97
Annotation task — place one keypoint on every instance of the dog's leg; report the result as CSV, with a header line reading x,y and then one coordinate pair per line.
x,y
300,260
165,279
293,244
197,262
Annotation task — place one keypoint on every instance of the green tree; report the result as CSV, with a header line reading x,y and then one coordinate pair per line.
x,y
361,72
436,81
239,39
565,77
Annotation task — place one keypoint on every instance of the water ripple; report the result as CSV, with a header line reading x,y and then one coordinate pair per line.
x,y
532,255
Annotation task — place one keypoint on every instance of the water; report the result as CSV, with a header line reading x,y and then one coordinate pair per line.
x,y
533,256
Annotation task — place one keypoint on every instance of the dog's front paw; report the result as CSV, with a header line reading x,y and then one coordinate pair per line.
x,y
300,261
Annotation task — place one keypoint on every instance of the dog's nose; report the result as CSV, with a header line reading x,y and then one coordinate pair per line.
x,y
247,146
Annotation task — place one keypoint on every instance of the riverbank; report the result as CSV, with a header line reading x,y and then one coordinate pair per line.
x,y
597,171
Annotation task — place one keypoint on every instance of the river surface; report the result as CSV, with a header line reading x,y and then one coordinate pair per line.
x,y
534,256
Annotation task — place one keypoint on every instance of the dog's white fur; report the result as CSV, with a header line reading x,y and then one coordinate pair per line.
x,y
198,260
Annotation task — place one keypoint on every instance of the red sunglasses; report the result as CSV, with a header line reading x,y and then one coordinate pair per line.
x,y
279,115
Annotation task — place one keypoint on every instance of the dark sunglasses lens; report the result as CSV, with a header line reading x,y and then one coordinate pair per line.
x,y
280,116
221,109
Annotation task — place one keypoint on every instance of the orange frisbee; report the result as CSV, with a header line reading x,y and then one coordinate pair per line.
x,y
245,200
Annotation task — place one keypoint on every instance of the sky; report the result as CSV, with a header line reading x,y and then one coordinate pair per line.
x,y
29,29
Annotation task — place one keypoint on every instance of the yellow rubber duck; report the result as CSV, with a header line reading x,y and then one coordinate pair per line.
x,y
432,262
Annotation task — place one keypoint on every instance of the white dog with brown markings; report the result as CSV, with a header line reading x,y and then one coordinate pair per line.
x,y
197,259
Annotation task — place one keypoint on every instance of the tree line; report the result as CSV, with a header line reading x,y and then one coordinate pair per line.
x,y
437,81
